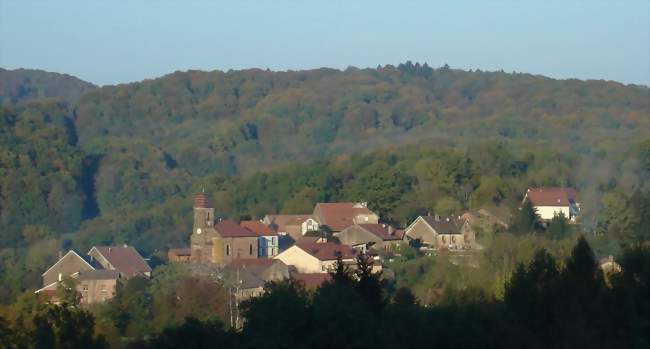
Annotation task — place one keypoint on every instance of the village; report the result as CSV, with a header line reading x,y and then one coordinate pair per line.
x,y
305,247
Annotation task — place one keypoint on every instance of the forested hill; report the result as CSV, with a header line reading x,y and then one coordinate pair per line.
x,y
118,164
236,121
21,85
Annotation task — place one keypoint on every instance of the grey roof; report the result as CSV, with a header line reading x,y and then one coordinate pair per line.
x,y
99,275
249,280
444,225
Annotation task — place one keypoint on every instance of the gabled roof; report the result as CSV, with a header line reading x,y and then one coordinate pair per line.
x,y
327,251
383,231
124,259
258,227
229,229
340,215
72,254
281,221
444,225
551,196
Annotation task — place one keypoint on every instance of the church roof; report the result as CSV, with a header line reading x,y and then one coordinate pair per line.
x,y
202,201
229,229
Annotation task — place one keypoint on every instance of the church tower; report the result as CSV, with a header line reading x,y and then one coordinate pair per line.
x,y
202,230
203,213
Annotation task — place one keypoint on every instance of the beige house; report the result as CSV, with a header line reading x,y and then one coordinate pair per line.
x,y
549,202
316,257
437,232
336,216
371,236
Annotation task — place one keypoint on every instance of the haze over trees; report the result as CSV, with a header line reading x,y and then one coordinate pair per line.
x,y
81,165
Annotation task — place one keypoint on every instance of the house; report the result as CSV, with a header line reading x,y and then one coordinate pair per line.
x,y
336,216
96,274
248,276
68,264
371,236
179,254
294,225
437,232
316,257
219,243
124,259
267,242
551,201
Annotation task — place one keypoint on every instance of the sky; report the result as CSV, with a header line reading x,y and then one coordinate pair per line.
x,y
110,42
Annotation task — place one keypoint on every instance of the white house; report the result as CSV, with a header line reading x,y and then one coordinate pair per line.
x,y
549,202
316,257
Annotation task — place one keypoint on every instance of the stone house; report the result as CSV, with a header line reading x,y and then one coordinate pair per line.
x,y
336,216
316,257
96,274
378,237
550,201
437,232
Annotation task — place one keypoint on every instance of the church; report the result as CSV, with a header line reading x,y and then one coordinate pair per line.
x,y
222,241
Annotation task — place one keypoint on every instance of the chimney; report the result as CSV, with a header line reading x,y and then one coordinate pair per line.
x,y
110,249
447,219
437,218
390,230
60,254
383,225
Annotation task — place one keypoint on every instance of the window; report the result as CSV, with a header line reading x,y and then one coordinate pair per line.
x,y
250,249
85,288
227,250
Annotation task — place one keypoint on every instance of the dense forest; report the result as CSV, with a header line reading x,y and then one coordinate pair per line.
x,y
82,165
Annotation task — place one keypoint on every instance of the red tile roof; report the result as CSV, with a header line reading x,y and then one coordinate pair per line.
x,y
551,196
384,231
124,259
327,251
230,229
258,227
312,280
340,215
202,201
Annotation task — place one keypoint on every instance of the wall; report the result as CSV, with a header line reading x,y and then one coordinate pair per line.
x,y
96,291
421,230
69,264
301,260
547,212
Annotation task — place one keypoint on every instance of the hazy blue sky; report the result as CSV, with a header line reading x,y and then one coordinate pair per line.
x,y
109,42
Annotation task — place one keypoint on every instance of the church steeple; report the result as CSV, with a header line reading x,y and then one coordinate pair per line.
x,y
203,213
